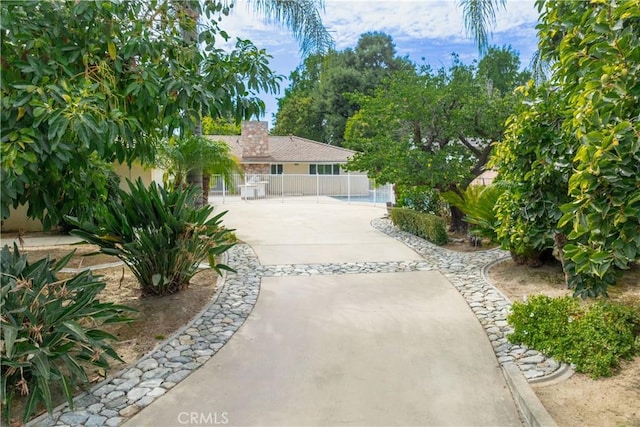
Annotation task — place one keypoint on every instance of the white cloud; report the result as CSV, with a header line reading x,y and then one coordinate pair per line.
x,y
429,28
426,19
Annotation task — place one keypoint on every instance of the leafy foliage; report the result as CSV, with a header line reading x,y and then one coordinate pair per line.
x,y
604,213
159,235
478,204
533,163
421,199
431,128
303,18
318,102
594,338
219,126
573,151
181,156
109,80
50,326
427,226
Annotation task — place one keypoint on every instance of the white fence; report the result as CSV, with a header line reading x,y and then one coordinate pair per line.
x,y
351,188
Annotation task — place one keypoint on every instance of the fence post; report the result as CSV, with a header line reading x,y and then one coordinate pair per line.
x,y
223,189
374,192
349,187
317,187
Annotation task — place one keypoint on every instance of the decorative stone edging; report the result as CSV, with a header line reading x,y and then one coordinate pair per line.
x,y
122,395
467,271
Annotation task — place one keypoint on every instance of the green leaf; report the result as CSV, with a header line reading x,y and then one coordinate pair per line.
x,y
111,47
10,334
75,329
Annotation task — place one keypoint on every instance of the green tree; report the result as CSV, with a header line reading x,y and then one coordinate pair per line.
x,y
317,103
479,16
534,164
426,128
302,17
572,152
110,79
501,68
596,50
219,126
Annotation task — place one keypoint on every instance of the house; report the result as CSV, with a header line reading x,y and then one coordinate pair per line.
x,y
261,153
288,166
281,165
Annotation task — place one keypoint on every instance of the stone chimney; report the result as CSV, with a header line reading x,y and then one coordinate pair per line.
x,y
254,139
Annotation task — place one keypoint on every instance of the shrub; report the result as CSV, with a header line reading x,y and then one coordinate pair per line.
x,y
420,198
478,202
594,338
159,235
430,227
48,327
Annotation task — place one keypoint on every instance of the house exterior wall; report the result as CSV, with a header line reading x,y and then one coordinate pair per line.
x,y
135,171
18,220
296,168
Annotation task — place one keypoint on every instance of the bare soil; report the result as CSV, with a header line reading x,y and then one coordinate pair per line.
x,y
579,400
156,318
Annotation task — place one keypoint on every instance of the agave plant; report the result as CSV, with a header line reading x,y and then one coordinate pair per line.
x,y
159,235
50,326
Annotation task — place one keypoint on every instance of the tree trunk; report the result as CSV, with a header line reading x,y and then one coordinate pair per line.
x,y
206,182
195,178
458,225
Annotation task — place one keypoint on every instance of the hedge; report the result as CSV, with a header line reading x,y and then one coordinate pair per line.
x,y
427,226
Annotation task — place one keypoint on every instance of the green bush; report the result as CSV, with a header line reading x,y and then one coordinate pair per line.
x,y
420,198
48,327
594,338
430,227
477,202
159,235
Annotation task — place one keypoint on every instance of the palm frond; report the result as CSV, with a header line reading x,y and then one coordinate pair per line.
x,y
540,67
302,17
479,18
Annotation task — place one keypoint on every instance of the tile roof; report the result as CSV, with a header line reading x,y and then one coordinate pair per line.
x,y
290,149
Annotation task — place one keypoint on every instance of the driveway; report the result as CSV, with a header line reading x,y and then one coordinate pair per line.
x,y
341,349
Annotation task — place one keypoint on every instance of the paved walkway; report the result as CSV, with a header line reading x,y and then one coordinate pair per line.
x,y
327,321
357,349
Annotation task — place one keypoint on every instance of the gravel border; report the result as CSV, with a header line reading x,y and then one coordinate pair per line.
x,y
114,400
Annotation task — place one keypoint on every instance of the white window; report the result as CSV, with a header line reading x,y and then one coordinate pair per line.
x,y
277,169
321,169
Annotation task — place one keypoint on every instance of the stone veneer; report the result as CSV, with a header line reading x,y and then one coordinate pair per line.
x,y
254,138
257,168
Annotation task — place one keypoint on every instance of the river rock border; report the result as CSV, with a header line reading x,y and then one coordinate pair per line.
x,y
121,396
467,271
113,401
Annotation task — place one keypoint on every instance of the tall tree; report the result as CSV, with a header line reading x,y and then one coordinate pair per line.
x,y
426,128
596,48
302,17
318,103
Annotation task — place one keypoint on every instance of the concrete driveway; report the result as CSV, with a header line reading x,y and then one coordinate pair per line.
x,y
345,349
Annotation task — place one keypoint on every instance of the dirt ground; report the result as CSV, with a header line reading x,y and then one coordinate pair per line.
x,y
578,401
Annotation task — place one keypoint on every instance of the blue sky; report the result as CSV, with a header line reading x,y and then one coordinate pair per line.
x,y
432,29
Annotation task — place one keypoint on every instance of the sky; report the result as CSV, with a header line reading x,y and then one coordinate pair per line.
x,y
429,29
